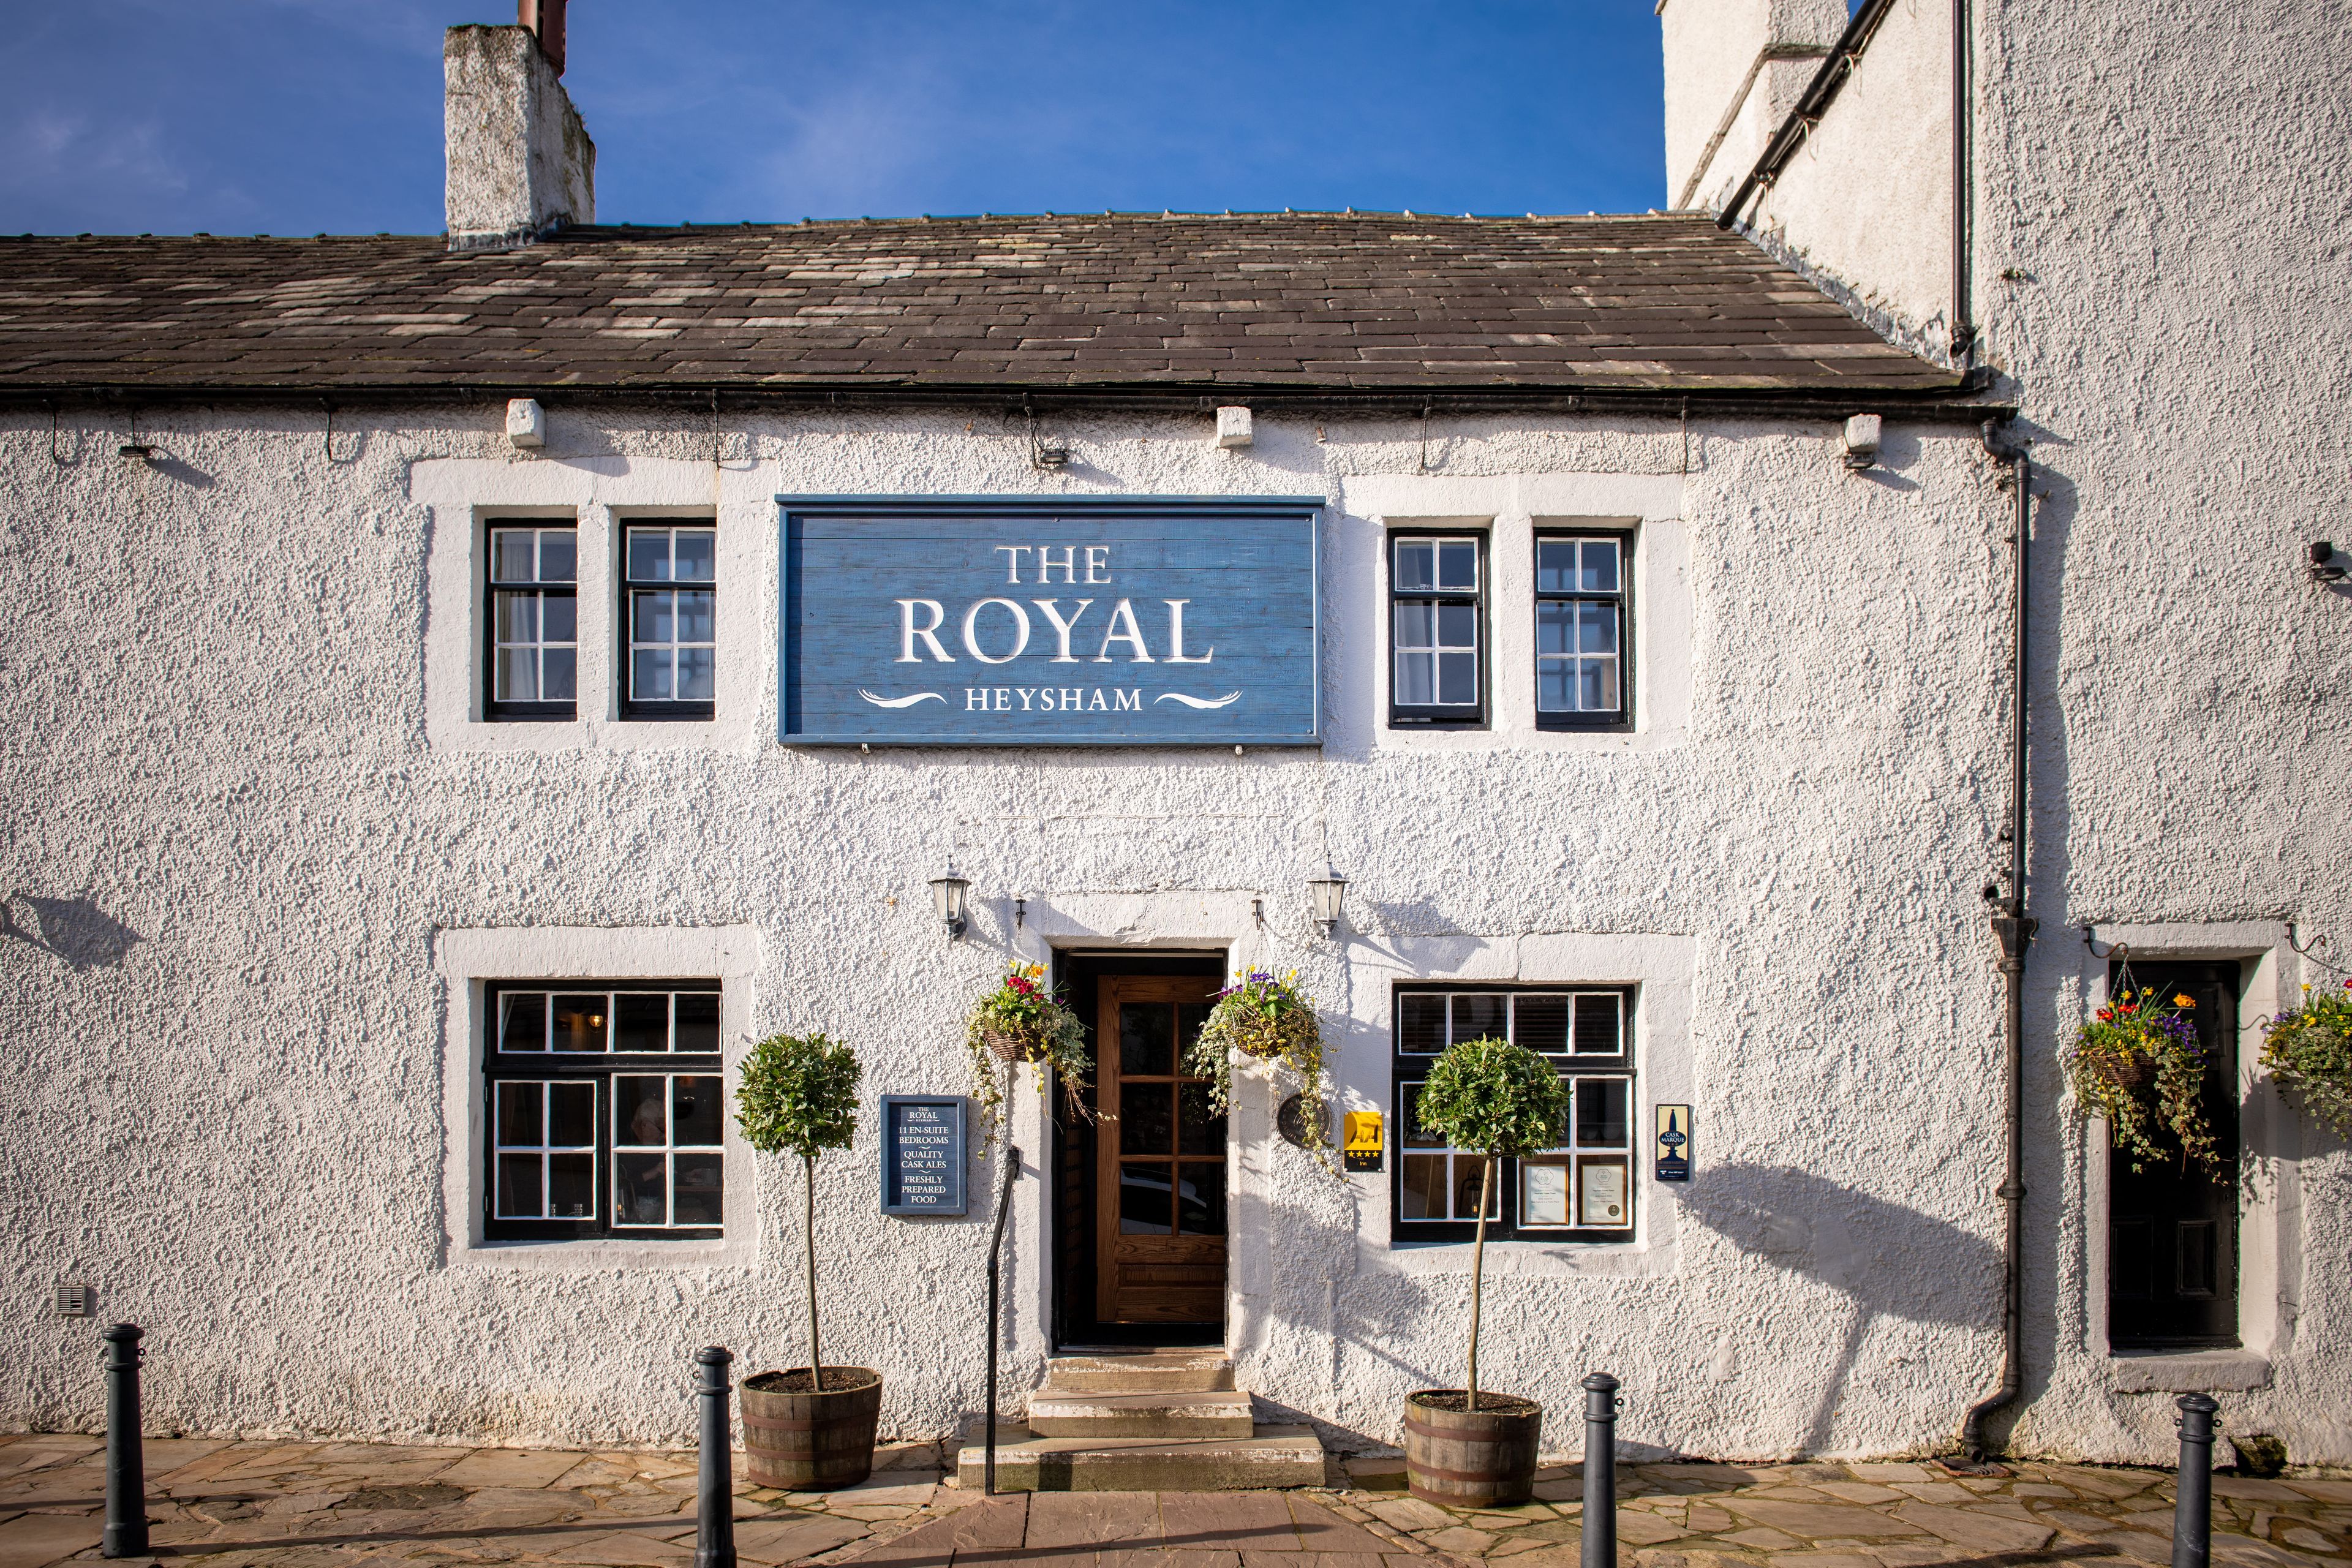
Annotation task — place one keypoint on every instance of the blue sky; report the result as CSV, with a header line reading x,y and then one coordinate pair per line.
x,y
290,117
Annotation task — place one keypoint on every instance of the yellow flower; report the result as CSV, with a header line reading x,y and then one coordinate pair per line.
x,y
2183,1000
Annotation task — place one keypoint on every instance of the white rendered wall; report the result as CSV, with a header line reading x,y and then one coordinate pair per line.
x,y
252,835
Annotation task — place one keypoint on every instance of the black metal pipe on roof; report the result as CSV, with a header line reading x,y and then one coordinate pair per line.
x,y
1964,332
1810,108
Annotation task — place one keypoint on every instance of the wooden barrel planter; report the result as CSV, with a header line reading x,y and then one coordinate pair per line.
x,y
796,1440
1464,1458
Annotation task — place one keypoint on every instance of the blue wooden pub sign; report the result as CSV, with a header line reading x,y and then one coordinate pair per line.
x,y
1053,621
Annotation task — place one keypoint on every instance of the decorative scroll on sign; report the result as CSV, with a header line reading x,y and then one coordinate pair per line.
x,y
987,621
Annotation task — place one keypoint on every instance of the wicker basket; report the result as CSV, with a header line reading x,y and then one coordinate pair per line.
x,y
2129,1074
1010,1048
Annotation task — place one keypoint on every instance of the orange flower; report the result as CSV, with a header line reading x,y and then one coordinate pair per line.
x,y
2183,999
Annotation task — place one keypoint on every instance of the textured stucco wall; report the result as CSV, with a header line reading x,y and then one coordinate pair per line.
x,y
1734,70
251,839
518,158
2157,280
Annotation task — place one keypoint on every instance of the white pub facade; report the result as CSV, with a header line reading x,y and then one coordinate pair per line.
x,y
468,689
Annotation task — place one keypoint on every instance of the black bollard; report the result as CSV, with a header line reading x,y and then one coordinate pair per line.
x,y
1601,1403
126,1469
714,1530
2193,1491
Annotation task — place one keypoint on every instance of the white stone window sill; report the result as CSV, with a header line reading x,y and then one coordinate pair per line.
x,y
2190,1371
598,1255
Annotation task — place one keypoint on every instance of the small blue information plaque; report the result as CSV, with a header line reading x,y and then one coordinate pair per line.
x,y
922,1153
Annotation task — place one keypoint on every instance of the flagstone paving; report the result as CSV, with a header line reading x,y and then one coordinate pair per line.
x,y
346,1505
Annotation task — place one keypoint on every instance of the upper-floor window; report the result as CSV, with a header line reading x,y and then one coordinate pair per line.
x,y
607,1110
671,584
1581,613
1581,1189
1437,628
533,621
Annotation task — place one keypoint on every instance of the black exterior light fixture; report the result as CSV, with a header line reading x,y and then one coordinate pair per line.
x,y
1328,891
948,898
2322,564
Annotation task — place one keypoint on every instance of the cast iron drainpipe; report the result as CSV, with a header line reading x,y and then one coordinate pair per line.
x,y
2014,932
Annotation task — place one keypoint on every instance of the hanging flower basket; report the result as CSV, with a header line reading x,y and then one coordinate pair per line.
x,y
1022,1020
1268,1018
2137,1062
2309,1053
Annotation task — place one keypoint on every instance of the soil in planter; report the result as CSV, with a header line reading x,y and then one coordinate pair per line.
x,y
838,1380
1488,1403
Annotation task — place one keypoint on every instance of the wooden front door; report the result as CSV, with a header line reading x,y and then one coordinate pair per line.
x,y
1160,1252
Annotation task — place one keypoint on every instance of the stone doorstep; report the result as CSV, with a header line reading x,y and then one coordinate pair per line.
x,y
1221,1413
1278,1456
1154,1371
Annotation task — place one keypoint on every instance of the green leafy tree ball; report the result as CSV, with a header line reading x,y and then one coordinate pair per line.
x,y
798,1095
1502,1100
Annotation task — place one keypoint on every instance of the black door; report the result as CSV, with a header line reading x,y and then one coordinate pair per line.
x,y
2172,1259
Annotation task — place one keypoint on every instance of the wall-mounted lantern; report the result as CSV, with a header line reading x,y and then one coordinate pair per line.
x,y
948,899
1329,891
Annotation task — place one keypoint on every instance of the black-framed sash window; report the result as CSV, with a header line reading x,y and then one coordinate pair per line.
x,y
670,581
533,640
1583,603
1437,635
1581,1189
605,1110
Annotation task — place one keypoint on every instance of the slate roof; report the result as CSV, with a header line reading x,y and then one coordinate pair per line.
x,y
1355,302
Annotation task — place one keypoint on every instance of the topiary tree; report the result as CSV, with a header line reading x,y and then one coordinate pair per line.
x,y
798,1094
1504,1101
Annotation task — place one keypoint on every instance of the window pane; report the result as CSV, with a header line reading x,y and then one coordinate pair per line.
x,y
1146,1042
559,618
1416,564
1421,1023
1543,1192
571,1115
1479,1017
1540,1022
1420,1193
1597,685
697,674
1596,628
649,675
556,551
1597,1021
696,617
1457,679
649,616
516,616
1556,686
1198,1130
580,1023
1555,565
1143,1198
1458,565
524,1028
696,1105
555,674
518,676
640,1189
1600,567
1190,1017
1601,1197
1412,1134
648,555
1553,619
1468,1172
1457,625
1416,678
697,552
640,1112
700,1187
518,1186
511,557
697,1022
1416,624
1201,1198
1601,1116
572,1186
641,1021
521,1117
1146,1118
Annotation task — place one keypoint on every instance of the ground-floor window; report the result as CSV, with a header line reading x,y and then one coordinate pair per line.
x,y
1581,1189
605,1110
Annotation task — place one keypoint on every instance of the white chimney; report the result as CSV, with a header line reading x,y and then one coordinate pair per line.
x,y
521,164
1734,70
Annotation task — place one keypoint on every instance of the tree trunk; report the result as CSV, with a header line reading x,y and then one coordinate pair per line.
x,y
1478,1269
808,1218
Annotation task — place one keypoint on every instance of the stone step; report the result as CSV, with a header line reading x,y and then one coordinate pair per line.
x,y
1152,1372
1276,1457
1217,1413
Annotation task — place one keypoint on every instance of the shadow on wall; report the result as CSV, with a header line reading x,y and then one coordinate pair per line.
x,y
73,929
1892,1261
